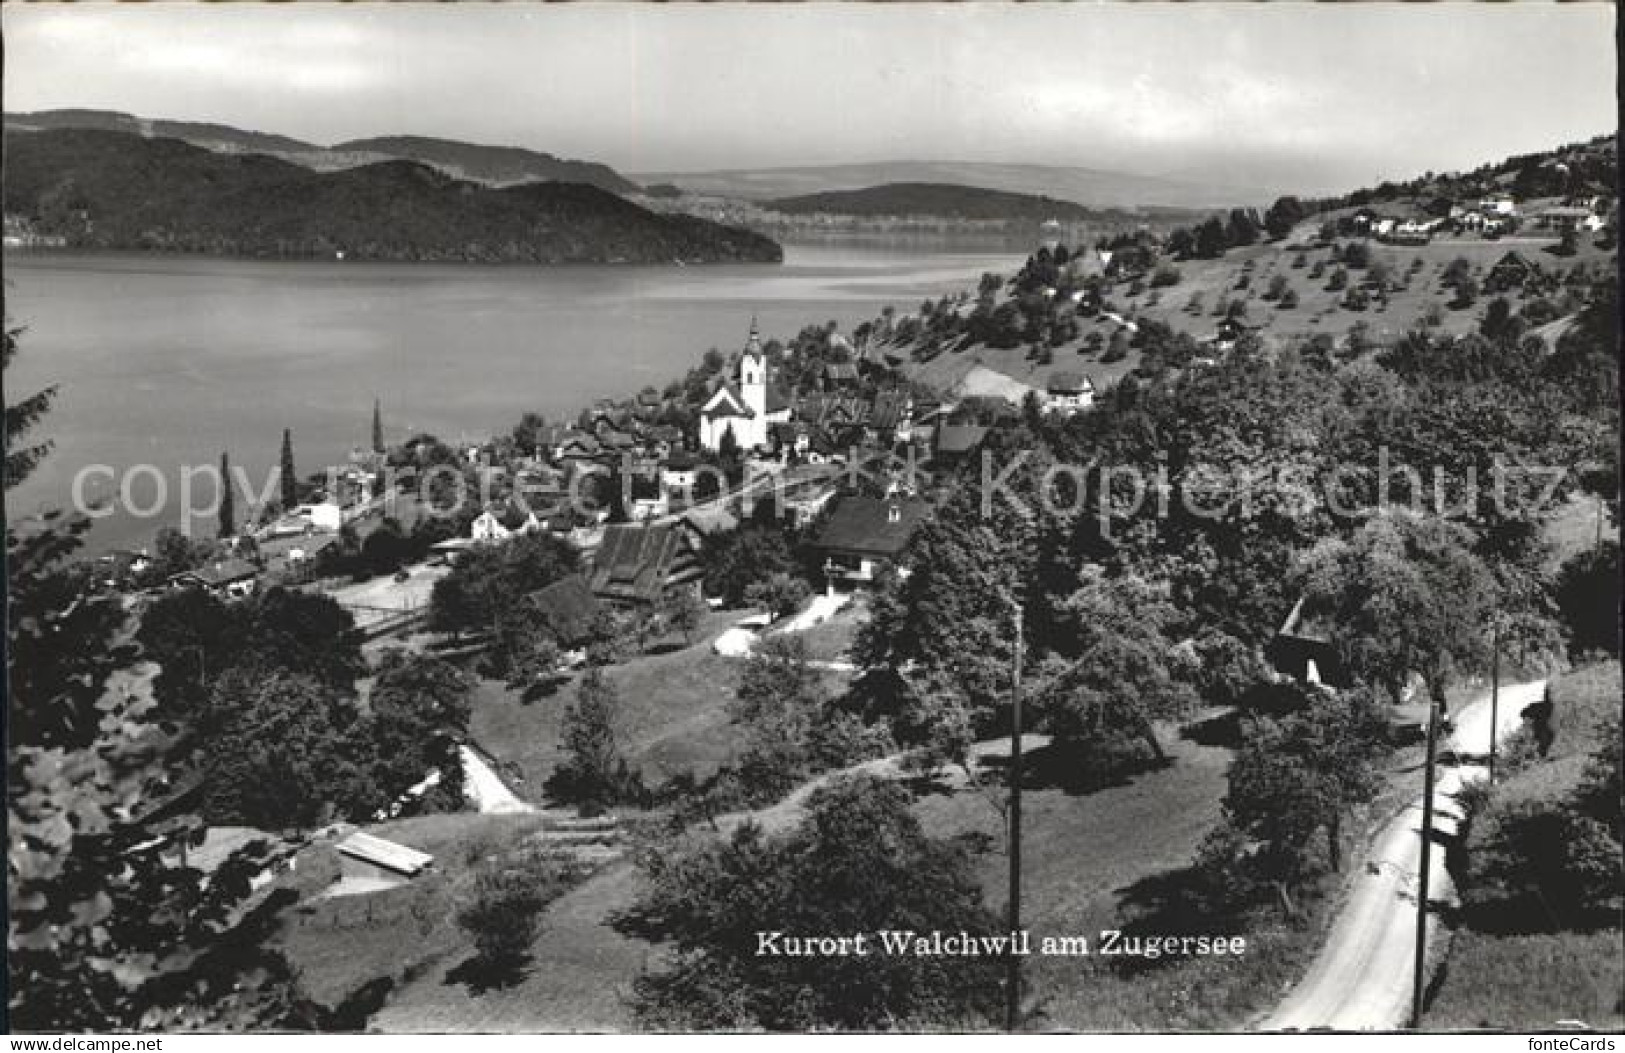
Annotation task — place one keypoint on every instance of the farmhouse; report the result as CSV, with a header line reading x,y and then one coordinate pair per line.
x,y
865,534
644,564
566,609
1303,649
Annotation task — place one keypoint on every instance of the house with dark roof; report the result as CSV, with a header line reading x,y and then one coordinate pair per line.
x,y
955,442
1303,648
643,564
865,534
839,375
223,577
565,609
1068,392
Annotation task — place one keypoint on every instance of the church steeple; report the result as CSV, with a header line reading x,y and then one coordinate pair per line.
x,y
753,344
753,371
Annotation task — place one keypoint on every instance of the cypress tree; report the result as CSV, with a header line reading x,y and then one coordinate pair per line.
x,y
290,482
377,428
228,501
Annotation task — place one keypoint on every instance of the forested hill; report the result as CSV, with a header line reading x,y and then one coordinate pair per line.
x,y
947,200
491,164
209,136
111,190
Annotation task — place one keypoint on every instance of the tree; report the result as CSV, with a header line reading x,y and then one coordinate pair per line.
x,y
1116,678
685,612
285,753
21,417
1281,217
1404,595
1296,777
490,579
1242,228
377,427
752,553
228,501
105,933
503,917
528,432
1211,238
594,772
728,446
780,594
418,713
288,478
1588,596
858,862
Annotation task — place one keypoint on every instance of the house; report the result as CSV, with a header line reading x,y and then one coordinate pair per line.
x,y
578,447
643,564
955,442
225,577
644,497
708,523
566,609
679,473
748,409
378,863
1567,217
489,526
839,375
1302,649
1498,205
1068,392
865,534
891,418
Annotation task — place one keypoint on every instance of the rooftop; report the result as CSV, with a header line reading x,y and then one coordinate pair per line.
x,y
386,854
872,526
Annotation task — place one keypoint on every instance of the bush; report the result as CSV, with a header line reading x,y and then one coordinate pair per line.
x,y
1542,866
1165,275
503,916
1588,596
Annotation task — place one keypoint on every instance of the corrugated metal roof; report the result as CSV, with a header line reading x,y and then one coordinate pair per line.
x,y
387,854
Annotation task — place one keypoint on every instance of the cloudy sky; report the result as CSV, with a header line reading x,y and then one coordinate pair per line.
x,y
1317,96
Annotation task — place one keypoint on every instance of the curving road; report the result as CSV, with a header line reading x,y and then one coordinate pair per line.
x,y
1361,979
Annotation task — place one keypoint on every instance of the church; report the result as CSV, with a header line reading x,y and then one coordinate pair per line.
x,y
749,408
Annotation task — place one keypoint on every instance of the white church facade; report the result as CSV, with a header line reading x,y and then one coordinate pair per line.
x,y
749,408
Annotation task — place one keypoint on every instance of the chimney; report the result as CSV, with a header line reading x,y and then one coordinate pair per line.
x,y
894,512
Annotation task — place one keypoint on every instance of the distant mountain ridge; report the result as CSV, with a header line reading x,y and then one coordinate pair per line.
x,y
490,164
947,200
498,165
1088,187
116,190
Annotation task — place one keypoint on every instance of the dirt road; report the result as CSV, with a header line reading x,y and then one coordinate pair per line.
x,y
1361,980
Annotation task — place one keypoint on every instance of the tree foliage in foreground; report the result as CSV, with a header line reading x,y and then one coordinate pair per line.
x,y
105,931
858,862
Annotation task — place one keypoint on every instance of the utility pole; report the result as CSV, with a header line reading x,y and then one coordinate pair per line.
x,y
1420,979
1012,981
1495,692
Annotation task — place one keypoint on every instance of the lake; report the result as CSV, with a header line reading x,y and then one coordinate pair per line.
x,y
169,361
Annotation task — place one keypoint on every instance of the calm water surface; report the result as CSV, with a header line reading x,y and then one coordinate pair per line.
x,y
170,361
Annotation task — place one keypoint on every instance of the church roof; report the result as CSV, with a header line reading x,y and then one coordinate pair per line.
x,y
726,402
